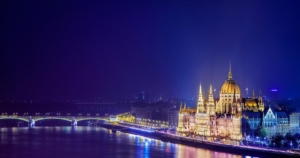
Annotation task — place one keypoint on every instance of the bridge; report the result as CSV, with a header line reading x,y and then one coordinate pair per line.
x,y
72,119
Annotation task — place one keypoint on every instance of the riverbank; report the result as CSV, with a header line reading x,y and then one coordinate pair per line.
x,y
245,150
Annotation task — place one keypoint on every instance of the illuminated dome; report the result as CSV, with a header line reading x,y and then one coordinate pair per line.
x,y
230,87
250,102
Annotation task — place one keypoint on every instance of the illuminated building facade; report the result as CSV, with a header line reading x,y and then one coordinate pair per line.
x,y
251,121
252,114
234,118
173,117
270,121
280,122
294,123
213,119
283,123
159,111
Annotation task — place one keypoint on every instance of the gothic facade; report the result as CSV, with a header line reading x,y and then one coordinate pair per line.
x,y
280,122
218,118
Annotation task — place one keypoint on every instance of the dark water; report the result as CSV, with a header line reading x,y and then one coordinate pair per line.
x,y
68,142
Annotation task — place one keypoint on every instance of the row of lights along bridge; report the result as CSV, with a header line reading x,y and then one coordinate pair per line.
x,y
50,114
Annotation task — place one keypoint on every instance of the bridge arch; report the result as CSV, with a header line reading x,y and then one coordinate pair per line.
x,y
14,118
86,119
52,118
64,118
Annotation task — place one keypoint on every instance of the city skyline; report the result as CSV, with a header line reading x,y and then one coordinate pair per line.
x,y
150,78
246,93
84,50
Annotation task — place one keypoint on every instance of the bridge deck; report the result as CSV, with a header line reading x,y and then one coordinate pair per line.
x,y
46,117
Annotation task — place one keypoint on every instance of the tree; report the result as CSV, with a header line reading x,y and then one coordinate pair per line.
x,y
296,136
278,139
261,132
288,136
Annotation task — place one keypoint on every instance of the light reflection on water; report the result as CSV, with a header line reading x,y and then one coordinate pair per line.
x,y
92,142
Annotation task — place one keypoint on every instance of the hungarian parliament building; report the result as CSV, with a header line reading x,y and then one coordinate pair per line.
x,y
232,117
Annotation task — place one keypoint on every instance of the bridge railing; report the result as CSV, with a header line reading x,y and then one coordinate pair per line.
x,y
51,114
43,117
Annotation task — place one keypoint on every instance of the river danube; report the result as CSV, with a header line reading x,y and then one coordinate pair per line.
x,y
85,142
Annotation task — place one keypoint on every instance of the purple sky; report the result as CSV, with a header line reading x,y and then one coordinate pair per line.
x,y
82,50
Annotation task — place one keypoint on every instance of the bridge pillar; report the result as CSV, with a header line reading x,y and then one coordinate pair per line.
x,y
31,121
74,122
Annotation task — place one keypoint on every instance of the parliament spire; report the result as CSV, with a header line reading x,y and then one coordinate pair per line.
x,y
230,73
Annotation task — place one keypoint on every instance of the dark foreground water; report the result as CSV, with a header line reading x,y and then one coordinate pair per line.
x,y
85,142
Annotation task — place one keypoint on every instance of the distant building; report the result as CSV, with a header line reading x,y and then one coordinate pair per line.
x,y
294,123
270,122
142,110
283,125
173,117
159,111
251,121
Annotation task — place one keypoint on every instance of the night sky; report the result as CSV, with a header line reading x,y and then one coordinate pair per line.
x,y
82,50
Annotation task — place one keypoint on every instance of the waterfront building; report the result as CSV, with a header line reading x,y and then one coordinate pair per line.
x,y
219,118
280,122
235,118
294,122
173,117
141,111
253,104
250,123
231,117
160,112
270,122
283,123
